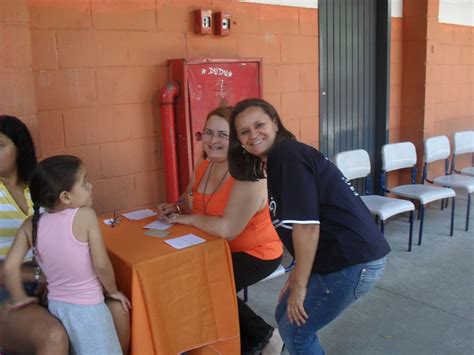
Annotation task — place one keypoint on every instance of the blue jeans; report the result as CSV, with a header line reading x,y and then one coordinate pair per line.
x,y
326,297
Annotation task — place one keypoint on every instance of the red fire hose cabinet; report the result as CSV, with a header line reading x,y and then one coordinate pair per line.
x,y
196,87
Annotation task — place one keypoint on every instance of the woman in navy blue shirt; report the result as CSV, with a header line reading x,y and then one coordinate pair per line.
x,y
339,251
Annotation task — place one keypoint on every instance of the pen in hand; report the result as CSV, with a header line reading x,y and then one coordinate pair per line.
x,y
166,209
181,200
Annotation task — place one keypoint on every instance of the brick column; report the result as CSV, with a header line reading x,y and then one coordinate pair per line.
x,y
414,72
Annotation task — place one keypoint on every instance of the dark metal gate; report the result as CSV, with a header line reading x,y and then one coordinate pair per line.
x,y
354,69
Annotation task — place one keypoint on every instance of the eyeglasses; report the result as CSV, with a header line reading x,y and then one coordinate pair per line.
x,y
208,134
115,220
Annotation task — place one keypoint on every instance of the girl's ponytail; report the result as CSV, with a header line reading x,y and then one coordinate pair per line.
x,y
34,231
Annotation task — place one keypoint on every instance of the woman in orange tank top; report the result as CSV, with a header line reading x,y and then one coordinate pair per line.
x,y
237,211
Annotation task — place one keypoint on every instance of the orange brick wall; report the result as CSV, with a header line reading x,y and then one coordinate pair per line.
x,y
449,93
396,59
98,65
413,72
84,74
437,91
17,92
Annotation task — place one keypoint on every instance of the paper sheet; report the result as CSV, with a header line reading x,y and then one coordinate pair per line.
x,y
185,241
158,225
157,233
108,221
139,214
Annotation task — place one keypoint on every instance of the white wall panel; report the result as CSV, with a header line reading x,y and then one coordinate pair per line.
x,y
313,4
397,5
457,12
397,8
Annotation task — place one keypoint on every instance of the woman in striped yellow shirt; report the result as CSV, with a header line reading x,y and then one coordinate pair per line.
x,y
27,328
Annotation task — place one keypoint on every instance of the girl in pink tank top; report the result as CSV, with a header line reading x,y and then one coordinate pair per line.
x,y
68,245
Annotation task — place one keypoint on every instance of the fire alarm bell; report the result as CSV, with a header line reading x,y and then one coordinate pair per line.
x,y
203,22
222,23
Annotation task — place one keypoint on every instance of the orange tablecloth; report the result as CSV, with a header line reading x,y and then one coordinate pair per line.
x,y
181,299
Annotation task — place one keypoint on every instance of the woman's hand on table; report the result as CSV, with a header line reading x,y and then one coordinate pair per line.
x,y
165,210
179,218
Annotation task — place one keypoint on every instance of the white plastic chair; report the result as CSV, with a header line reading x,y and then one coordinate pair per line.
x,y
398,156
463,144
280,270
437,148
355,164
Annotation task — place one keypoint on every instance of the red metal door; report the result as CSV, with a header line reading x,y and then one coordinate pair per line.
x,y
204,85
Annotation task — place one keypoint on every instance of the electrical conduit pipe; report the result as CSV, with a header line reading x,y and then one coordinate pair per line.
x,y
168,134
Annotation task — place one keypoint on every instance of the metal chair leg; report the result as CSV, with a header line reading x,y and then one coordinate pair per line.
x,y
468,211
382,227
411,231
246,295
452,217
422,215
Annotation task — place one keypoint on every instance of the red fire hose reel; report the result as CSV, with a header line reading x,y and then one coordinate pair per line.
x,y
167,96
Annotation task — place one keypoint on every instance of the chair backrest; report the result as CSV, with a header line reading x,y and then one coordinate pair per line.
x,y
398,156
464,142
353,164
437,148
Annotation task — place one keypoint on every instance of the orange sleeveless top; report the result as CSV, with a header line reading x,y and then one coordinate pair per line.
x,y
258,238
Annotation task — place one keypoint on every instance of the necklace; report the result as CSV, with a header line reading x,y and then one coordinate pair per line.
x,y
204,204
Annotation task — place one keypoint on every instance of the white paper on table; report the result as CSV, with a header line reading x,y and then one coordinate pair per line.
x,y
185,241
158,225
108,221
139,214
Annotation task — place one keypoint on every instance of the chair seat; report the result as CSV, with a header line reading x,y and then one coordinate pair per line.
x,y
468,171
465,183
423,193
386,207
278,272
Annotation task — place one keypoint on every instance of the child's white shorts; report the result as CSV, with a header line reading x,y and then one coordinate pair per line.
x,y
90,328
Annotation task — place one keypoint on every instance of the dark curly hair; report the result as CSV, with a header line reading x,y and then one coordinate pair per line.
x,y
19,134
242,165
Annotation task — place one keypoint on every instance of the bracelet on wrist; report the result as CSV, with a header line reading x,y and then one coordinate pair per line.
x,y
178,208
16,306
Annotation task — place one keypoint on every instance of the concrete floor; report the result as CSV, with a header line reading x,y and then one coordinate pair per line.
x,y
424,304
